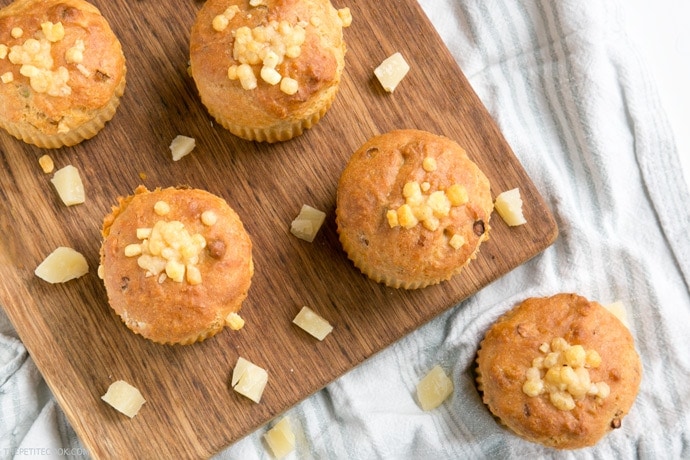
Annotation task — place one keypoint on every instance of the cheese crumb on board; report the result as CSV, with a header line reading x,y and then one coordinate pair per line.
x,y
69,186
313,323
434,388
280,438
234,321
509,206
46,164
181,146
391,71
307,223
249,380
124,397
62,265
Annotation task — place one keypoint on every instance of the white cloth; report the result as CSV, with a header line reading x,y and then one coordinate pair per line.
x,y
581,112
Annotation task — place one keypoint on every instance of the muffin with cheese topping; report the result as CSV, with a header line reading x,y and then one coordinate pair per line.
x,y
561,371
412,208
62,71
176,264
266,70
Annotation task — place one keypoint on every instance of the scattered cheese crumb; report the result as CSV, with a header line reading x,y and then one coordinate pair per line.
x,y
618,310
391,71
509,206
234,321
124,397
46,164
313,323
280,438
249,380
434,388
181,146
62,265
307,224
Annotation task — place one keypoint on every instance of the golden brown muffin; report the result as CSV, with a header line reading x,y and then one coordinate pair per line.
x,y
412,208
560,371
62,71
176,262
270,71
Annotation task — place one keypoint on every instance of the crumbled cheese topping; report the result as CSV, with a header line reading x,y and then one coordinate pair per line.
x,y
34,56
562,373
426,207
168,250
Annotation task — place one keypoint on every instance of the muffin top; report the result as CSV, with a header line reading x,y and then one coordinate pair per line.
x,y
412,208
59,62
560,371
175,262
257,65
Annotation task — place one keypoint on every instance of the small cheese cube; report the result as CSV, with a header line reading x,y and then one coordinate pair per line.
x,y
618,310
62,265
307,224
509,206
249,380
391,71
434,388
124,397
181,146
280,438
312,323
69,186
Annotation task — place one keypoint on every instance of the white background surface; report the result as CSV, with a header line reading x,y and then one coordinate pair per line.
x,y
661,29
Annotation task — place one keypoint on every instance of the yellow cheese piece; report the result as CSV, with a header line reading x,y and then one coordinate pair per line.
x,y
280,438
181,146
61,265
69,186
312,323
434,388
509,206
307,223
618,310
391,71
124,397
249,380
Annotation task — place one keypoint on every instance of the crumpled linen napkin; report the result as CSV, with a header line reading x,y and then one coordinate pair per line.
x,y
580,110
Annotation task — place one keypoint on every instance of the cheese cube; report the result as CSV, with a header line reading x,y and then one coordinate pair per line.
x,y
509,206
62,265
313,323
69,186
124,397
249,380
434,388
307,223
391,71
280,438
181,146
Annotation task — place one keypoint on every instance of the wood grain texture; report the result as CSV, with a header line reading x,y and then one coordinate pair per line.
x,y
80,345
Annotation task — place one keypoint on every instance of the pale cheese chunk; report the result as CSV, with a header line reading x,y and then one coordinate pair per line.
x,y
307,223
62,265
312,323
69,186
509,206
618,310
249,380
181,146
391,71
434,388
46,163
124,397
280,438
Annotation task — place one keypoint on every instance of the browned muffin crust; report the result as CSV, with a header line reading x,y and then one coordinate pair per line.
x,y
74,110
155,306
513,342
372,185
267,113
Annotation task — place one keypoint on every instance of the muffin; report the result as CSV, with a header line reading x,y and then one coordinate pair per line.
x,y
176,264
62,71
559,371
267,70
412,208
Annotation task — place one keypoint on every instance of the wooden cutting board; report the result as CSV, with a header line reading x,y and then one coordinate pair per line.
x,y
80,345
